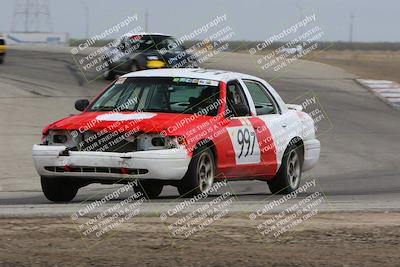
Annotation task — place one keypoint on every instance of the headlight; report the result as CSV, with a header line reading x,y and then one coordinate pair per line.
x,y
174,141
59,137
156,142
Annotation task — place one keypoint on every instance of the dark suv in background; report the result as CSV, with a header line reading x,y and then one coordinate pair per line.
x,y
145,51
3,48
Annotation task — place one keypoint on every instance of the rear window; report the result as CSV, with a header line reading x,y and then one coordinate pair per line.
x,y
156,42
2,42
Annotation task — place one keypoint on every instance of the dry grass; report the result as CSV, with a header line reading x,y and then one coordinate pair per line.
x,y
383,65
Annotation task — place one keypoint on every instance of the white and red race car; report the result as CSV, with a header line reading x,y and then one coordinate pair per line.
x,y
182,127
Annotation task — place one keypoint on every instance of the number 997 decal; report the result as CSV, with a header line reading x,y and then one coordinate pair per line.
x,y
245,144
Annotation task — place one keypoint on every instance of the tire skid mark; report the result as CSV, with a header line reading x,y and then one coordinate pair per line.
x,y
34,92
71,68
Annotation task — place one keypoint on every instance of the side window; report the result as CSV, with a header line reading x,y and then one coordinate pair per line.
x,y
193,99
236,99
263,103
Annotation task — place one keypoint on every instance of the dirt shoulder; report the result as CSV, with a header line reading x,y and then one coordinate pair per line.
x,y
381,65
330,239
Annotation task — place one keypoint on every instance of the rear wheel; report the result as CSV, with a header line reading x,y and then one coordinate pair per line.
x,y
58,189
1,59
134,67
199,177
289,175
150,189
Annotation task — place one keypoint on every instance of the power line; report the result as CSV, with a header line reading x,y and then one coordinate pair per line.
x,y
31,16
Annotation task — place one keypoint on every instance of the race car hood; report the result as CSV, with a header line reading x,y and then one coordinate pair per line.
x,y
169,123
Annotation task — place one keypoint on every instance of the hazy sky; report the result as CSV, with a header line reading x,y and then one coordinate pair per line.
x,y
250,19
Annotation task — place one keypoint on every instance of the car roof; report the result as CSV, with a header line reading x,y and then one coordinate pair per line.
x,y
146,34
198,73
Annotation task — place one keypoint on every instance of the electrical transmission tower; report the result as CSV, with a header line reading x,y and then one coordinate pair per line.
x,y
31,16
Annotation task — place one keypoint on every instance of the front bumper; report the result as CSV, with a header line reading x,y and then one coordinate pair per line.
x,y
168,164
312,150
3,49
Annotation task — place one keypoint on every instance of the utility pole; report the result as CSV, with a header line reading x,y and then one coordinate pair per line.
x,y
86,19
351,27
301,16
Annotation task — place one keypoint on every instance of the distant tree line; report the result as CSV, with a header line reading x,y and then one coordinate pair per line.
x,y
245,45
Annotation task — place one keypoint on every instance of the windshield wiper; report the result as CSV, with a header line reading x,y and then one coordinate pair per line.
x,y
104,108
128,109
158,110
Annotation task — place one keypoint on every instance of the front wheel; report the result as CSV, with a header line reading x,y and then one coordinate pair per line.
x,y
58,189
289,175
199,177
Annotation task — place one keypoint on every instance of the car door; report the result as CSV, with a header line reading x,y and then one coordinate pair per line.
x,y
241,156
274,127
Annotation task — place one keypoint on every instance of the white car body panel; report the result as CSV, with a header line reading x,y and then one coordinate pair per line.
x,y
167,164
287,126
172,164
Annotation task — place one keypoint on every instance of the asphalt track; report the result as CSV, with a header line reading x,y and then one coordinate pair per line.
x,y
359,165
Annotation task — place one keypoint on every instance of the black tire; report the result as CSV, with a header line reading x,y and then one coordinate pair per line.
x,y
108,73
58,189
199,177
150,189
1,59
134,67
288,177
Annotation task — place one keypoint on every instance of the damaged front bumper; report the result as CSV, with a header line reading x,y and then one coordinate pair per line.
x,y
57,161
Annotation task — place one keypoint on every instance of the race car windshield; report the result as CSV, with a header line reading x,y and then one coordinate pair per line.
x,y
155,42
168,95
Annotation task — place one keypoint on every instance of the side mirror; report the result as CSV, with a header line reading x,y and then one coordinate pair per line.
x,y
81,104
241,110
